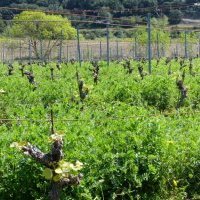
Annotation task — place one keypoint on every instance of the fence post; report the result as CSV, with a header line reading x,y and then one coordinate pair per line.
x,y
149,41
78,47
163,50
100,50
158,46
3,52
29,49
199,46
83,55
135,47
50,55
110,52
174,52
117,50
12,54
41,50
177,53
108,44
67,53
88,52
60,49
91,54
133,50
20,50
186,52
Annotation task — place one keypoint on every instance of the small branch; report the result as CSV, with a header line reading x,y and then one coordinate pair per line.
x,y
54,194
37,154
52,161
46,159
183,92
49,49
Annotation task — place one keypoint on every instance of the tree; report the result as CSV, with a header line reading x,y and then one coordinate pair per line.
x,y
175,16
129,3
6,14
38,27
159,22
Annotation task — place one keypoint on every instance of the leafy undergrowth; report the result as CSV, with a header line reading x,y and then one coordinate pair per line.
x,y
133,142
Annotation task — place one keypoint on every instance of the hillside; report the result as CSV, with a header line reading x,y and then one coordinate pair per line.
x,y
108,8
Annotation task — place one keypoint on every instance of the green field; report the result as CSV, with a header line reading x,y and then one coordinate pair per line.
x,y
133,135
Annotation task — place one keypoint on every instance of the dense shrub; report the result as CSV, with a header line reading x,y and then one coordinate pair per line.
x,y
130,149
158,92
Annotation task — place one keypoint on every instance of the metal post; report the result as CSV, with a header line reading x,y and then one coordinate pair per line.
x,y
117,50
158,47
83,55
3,52
29,47
108,44
199,46
122,53
60,49
135,48
100,50
41,51
91,54
149,40
88,53
49,56
78,47
76,54
186,52
67,53
12,54
177,53
20,50
133,51
163,50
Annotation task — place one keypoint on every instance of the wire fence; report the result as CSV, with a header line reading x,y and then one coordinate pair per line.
x,y
94,50
106,47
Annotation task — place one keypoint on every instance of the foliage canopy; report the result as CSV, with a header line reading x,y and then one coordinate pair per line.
x,y
38,25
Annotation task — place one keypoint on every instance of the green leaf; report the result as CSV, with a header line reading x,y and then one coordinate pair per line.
x,y
58,171
190,175
18,145
2,91
79,165
47,173
56,136
57,178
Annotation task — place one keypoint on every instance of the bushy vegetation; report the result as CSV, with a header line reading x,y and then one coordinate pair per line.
x,y
124,9
133,141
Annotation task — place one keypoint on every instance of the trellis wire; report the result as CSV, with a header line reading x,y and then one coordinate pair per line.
x,y
113,50
115,118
